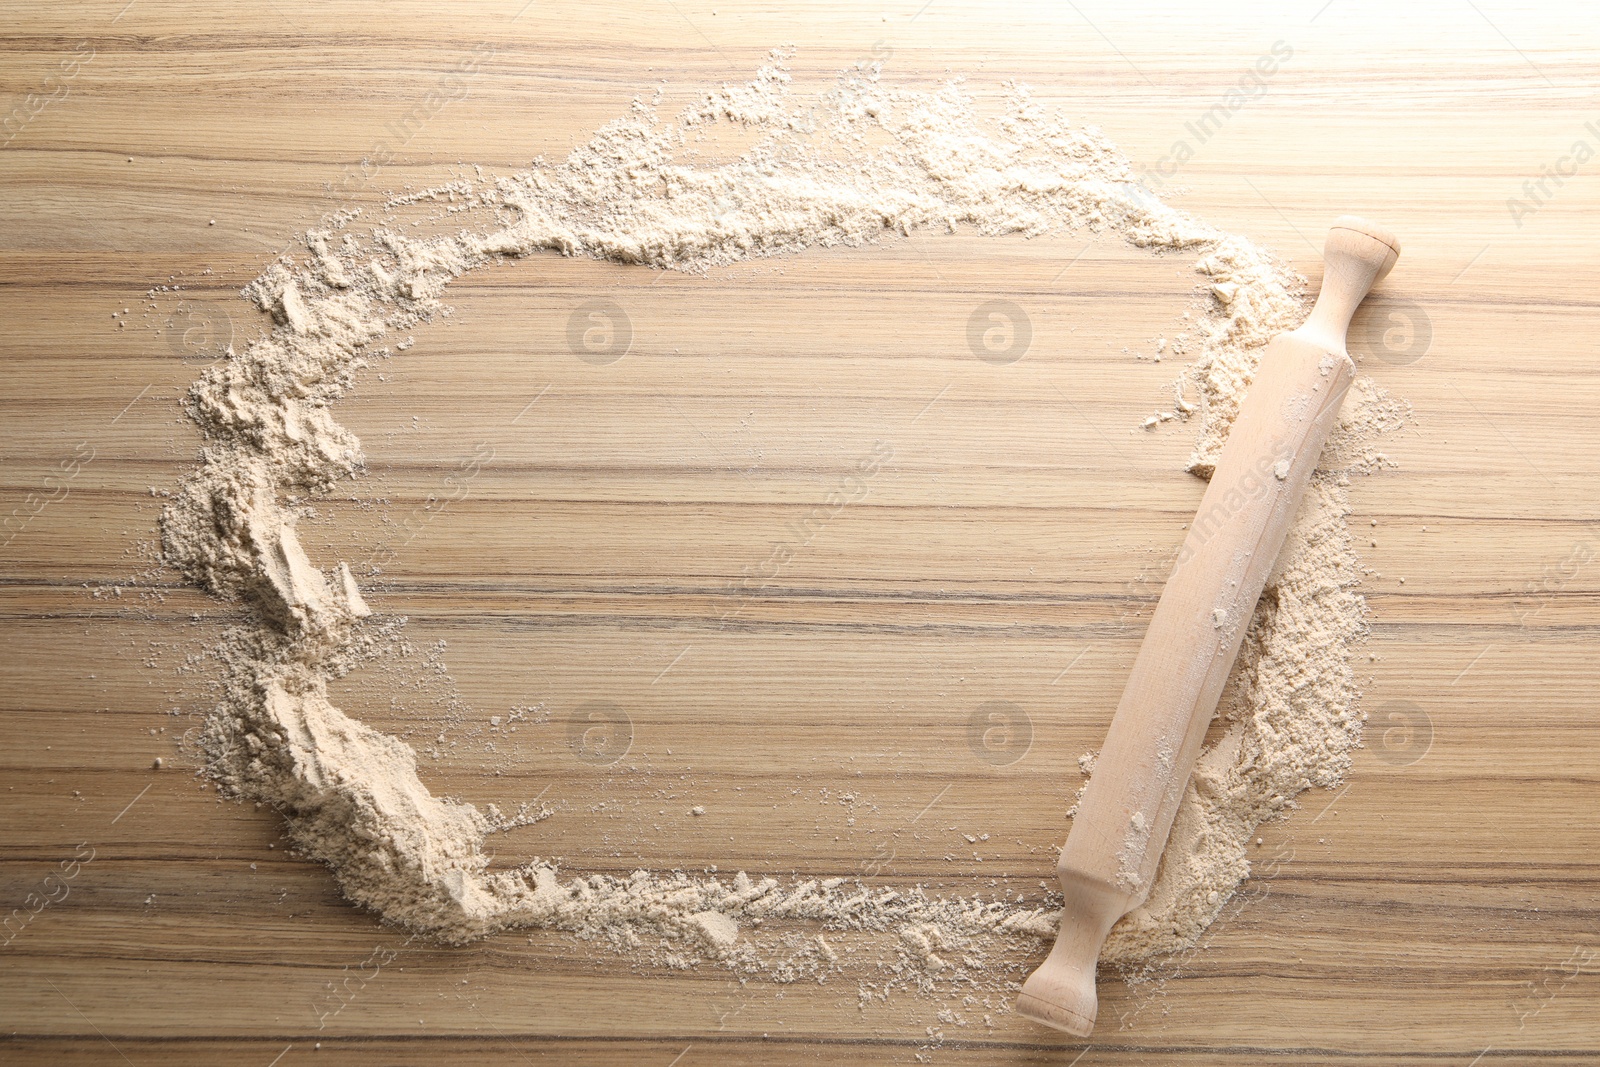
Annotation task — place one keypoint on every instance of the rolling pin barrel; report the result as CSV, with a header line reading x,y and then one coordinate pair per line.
x,y
1112,852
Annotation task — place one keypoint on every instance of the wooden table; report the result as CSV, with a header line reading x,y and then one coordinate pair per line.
x,y
1441,910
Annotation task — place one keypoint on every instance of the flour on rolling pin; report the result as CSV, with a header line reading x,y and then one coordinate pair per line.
x,y
351,795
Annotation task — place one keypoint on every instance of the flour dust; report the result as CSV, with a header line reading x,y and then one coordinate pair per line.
x,y
857,163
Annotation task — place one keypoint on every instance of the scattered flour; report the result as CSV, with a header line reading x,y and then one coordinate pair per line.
x,y
861,163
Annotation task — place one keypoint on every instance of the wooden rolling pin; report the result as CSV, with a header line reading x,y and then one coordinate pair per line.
x,y
1122,823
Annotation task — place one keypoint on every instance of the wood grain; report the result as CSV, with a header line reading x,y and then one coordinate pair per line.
x,y
1441,908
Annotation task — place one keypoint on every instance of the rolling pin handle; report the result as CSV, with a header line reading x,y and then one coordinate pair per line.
x,y
1061,993
1357,255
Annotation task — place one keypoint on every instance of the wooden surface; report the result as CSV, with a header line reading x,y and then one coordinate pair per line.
x,y
1442,909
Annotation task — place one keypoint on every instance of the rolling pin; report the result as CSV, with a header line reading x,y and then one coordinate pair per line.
x,y
1110,858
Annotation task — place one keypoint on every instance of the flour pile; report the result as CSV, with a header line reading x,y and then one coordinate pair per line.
x,y
861,162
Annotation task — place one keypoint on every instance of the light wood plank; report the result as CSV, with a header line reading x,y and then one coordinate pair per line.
x,y
1417,916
